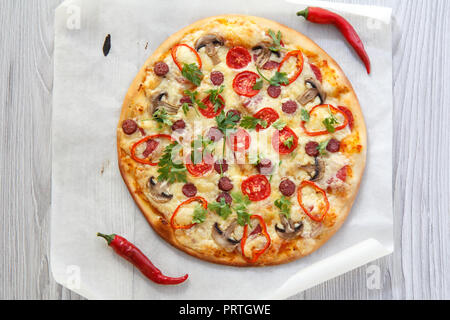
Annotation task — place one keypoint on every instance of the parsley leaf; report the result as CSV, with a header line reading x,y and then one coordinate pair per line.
x,y
199,214
329,124
305,115
258,85
221,208
192,73
242,202
226,123
276,40
169,170
193,96
322,147
289,142
284,204
251,123
279,124
161,116
278,79
185,108
214,97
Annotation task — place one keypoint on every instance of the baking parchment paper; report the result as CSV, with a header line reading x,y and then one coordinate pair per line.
x,y
89,196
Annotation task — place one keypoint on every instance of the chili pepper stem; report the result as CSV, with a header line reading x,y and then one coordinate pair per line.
x,y
108,238
303,13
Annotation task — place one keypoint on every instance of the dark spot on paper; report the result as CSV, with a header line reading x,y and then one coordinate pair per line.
x,y
146,46
107,45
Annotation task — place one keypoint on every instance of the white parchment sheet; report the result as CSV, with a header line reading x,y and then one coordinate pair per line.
x,y
89,196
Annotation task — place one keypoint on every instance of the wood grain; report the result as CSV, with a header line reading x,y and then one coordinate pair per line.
x,y
419,267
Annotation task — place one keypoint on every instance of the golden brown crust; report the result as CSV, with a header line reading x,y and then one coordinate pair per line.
x,y
157,220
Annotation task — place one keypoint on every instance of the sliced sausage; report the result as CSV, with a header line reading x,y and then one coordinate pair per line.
x,y
151,146
129,126
289,107
226,196
270,65
333,146
186,99
161,69
225,184
265,167
312,149
287,188
189,190
221,166
217,78
178,125
274,91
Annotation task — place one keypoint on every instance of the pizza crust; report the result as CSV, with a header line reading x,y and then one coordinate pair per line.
x,y
160,224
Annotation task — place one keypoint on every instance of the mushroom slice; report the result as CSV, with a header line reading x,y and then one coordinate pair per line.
x,y
159,191
210,42
157,102
316,171
290,229
223,239
262,53
310,94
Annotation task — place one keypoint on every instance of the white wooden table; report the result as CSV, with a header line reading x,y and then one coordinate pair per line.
x,y
420,266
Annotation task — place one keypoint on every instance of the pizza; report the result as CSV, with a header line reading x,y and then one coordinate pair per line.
x,y
242,142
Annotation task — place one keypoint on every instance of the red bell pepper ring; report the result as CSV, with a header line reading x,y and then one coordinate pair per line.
x,y
255,252
132,254
300,61
319,190
202,201
137,144
174,56
320,133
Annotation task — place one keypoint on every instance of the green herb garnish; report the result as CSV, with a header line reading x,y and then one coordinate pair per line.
x,y
221,208
199,214
285,205
322,147
279,124
258,85
276,40
278,79
161,116
251,123
305,115
195,101
289,142
169,170
226,123
214,97
241,203
192,73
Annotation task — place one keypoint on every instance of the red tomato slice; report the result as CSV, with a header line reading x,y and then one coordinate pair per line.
x,y
200,169
267,114
257,188
238,58
279,138
209,111
244,82
240,140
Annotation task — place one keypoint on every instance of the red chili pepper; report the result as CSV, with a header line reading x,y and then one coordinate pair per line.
x,y
174,56
322,16
256,253
131,253
323,132
203,202
134,147
319,190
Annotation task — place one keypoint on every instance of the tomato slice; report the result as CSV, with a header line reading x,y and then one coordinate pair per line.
x,y
324,132
244,82
299,56
202,168
257,188
322,215
209,112
280,138
239,140
267,114
238,58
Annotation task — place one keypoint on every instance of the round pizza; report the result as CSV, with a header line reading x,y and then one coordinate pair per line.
x,y
242,142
